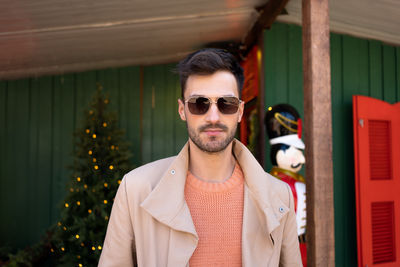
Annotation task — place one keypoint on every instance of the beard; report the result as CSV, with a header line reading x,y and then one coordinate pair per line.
x,y
211,144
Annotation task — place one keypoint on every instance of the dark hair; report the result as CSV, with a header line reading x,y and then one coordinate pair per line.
x,y
274,151
206,62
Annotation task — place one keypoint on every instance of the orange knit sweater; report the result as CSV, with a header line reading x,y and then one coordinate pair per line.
x,y
217,212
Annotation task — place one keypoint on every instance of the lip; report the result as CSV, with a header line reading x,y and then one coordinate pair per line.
x,y
213,132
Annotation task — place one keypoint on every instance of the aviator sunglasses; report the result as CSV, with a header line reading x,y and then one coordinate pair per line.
x,y
199,105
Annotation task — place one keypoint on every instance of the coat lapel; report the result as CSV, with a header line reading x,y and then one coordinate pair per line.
x,y
262,213
166,203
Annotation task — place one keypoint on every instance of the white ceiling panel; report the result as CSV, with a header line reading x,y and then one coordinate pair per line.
x,y
39,37
372,19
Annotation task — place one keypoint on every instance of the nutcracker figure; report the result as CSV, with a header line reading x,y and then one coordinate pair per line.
x,y
284,129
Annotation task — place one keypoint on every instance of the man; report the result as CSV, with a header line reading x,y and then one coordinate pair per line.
x,y
212,204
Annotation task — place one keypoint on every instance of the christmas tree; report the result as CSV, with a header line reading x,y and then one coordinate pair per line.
x,y
101,158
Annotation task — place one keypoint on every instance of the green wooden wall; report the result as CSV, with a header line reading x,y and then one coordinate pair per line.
x,y
37,120
358,66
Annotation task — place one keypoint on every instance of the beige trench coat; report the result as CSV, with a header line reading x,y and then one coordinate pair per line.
x,y
150,215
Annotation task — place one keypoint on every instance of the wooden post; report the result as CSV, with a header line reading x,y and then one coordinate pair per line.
x,y
318,133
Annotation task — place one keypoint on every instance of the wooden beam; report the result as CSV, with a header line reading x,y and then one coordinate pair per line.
x,y
318,133
267,15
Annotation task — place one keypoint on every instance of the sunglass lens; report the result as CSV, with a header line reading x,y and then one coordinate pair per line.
x,y
228,105
198,105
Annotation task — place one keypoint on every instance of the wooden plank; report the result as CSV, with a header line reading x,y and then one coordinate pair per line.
x,y
170,109
295,69
16,163
147,115
267,15
398,73
159,108
375,69
130,109
318,133
282,65
63,128
43,181
389,73
338,148
85,87
108,78
3,156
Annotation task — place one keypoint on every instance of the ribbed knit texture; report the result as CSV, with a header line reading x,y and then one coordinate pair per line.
x,y
217,212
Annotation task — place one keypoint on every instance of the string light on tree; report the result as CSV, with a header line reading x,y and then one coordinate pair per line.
x,y
91,187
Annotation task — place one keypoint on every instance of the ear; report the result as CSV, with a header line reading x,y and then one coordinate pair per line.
x,y
181,109
241,109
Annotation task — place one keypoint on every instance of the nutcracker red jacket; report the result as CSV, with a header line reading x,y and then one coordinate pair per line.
x,y
150,215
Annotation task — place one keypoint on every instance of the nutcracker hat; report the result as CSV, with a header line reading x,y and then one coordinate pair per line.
x,y
284,126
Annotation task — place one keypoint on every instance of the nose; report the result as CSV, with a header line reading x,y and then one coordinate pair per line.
x,y
213,114
302,159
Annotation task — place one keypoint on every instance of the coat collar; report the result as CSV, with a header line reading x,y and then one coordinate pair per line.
x,y
167,204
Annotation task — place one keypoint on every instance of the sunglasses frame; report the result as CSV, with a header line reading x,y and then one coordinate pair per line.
x,y
211,101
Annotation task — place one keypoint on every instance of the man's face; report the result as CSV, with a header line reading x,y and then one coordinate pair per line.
x,y
213,131
291,159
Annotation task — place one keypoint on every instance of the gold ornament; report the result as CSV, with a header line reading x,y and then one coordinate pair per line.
x,y
93,248
111,167
78,179
78,256
106,218
99,247
90,152
52,250
94,159
89,210
104,124
112,147
59,223
71,189
119,181
78,203
80,265
62,248
82,244
87,131
65,228
66,205
90,112
105,184
85,186
105,201
96,167
94,136
77,236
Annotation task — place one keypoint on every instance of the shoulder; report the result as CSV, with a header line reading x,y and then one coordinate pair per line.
x,y
149,174
279,188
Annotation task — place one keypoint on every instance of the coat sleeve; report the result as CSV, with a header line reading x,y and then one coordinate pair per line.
x,y
119,244
290,251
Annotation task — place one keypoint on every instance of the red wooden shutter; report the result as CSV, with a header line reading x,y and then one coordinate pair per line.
x,y
377,177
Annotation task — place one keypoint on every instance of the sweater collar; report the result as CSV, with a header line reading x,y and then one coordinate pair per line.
x,y
167,204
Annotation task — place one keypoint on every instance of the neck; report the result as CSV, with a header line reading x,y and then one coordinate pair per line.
x,y
211,167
